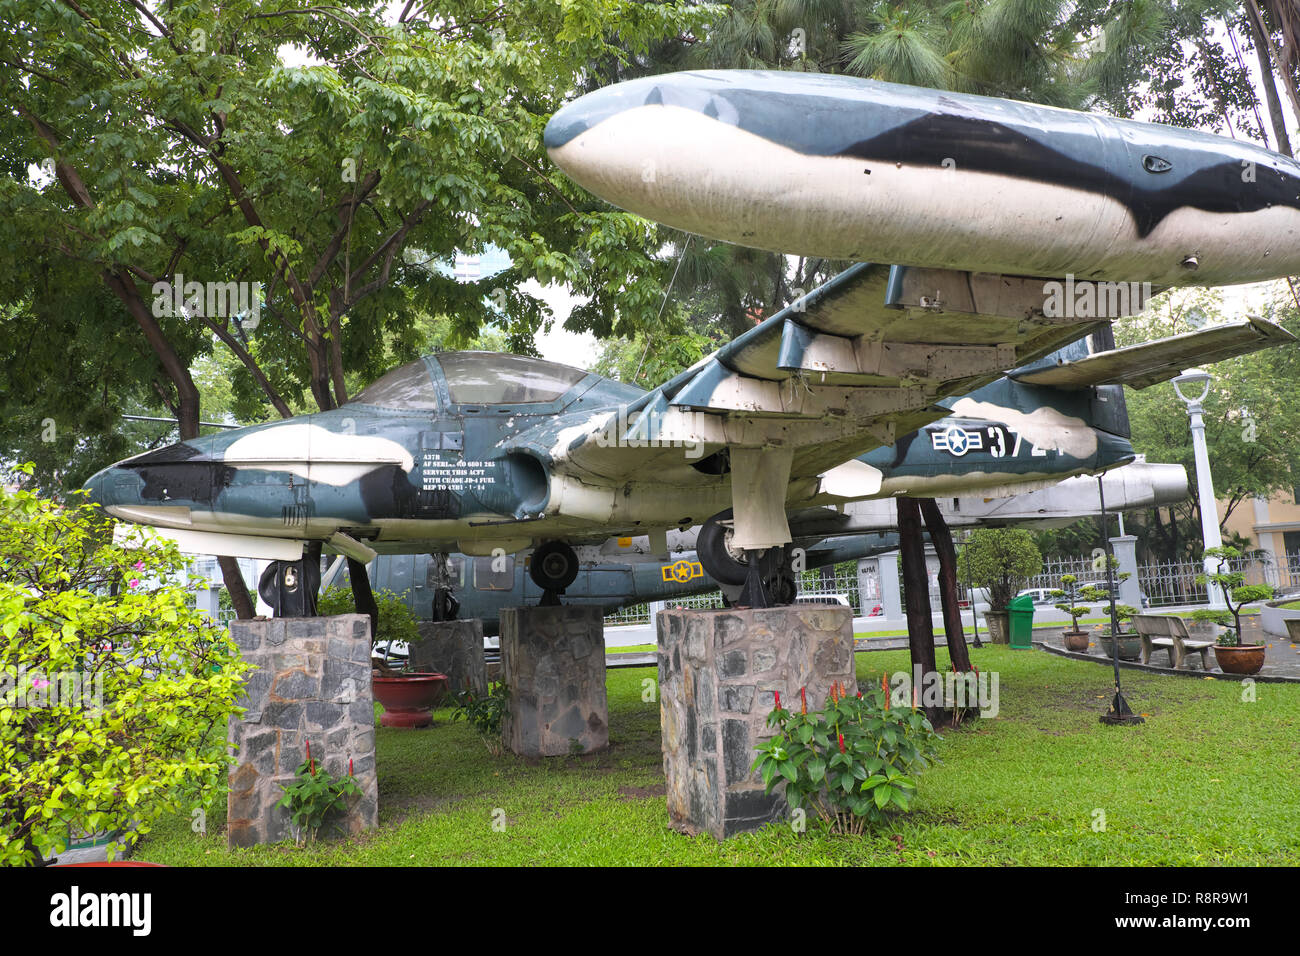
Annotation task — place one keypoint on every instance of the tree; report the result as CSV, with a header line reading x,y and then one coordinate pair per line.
x,y
1236,592
1252,420
1002,560
116,692
146,143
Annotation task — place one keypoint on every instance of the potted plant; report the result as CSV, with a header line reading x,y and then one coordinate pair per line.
x,y
407,696
1130,644
1232,655
1002,560
1075,639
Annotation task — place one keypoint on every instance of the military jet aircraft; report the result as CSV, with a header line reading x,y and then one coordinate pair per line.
x,y
480,453
967,368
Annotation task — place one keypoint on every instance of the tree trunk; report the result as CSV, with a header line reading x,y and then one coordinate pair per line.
x,y
187,406
1263,45
239,596
941,538
916,593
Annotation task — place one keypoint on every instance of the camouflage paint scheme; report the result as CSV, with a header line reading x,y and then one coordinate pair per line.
x,y
849,168
196,481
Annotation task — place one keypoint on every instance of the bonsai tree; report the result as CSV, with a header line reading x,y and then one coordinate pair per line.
x,y
1236,592
1125,613
396,622
114,693
1002,560
1072,594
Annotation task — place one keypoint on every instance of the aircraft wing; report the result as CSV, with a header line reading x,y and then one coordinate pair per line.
x,y
1153,362
842,370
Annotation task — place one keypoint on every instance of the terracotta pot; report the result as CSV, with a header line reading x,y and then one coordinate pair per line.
x,y
1130,646
408,698
1245,659
1076,640
999,629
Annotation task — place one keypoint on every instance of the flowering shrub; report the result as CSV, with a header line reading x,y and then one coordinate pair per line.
x,y
315,795
113,698
849,763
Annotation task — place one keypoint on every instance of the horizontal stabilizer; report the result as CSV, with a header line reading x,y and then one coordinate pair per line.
x,y
1142,365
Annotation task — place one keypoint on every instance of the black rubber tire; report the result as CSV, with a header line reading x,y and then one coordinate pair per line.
x,y
711,548
554,566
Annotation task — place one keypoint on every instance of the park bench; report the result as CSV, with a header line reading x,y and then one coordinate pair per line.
x,y
1169,633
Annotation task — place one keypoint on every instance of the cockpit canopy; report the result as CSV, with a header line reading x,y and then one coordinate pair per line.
x,y
472,378
494,378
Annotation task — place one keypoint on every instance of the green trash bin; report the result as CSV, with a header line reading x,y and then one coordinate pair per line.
x,y
1020,614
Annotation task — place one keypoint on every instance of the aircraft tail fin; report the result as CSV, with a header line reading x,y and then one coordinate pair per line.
x,y
1141,365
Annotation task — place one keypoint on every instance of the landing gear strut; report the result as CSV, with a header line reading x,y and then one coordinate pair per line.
x,y
764,576
290,587
445,605
553,568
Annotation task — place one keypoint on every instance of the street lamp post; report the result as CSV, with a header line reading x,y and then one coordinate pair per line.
x,y
1192,380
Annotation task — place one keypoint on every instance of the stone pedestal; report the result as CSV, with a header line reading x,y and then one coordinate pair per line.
x,y
454,648
553,662
718,674
312,685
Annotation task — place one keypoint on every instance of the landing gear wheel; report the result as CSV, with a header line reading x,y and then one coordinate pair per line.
x,y
290,587
553,568
720,560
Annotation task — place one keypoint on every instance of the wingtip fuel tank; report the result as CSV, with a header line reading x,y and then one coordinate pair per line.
x,y
848,168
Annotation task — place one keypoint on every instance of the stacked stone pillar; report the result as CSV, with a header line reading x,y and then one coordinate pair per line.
x,y
312,683
719,672
553,662
454,648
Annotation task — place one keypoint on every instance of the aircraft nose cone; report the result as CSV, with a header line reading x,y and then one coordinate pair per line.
x,y
113,486
591,109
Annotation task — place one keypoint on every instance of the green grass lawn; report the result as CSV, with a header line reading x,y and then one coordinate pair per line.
x,y
1208,779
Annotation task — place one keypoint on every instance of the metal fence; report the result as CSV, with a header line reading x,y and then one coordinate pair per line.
x,y
811,584
1166,583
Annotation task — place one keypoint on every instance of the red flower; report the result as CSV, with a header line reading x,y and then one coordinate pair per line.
x,y
913,698
349,766
803,696
841,736
859,695
778,701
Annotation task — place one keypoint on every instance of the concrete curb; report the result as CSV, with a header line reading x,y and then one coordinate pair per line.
x,y
1152,669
